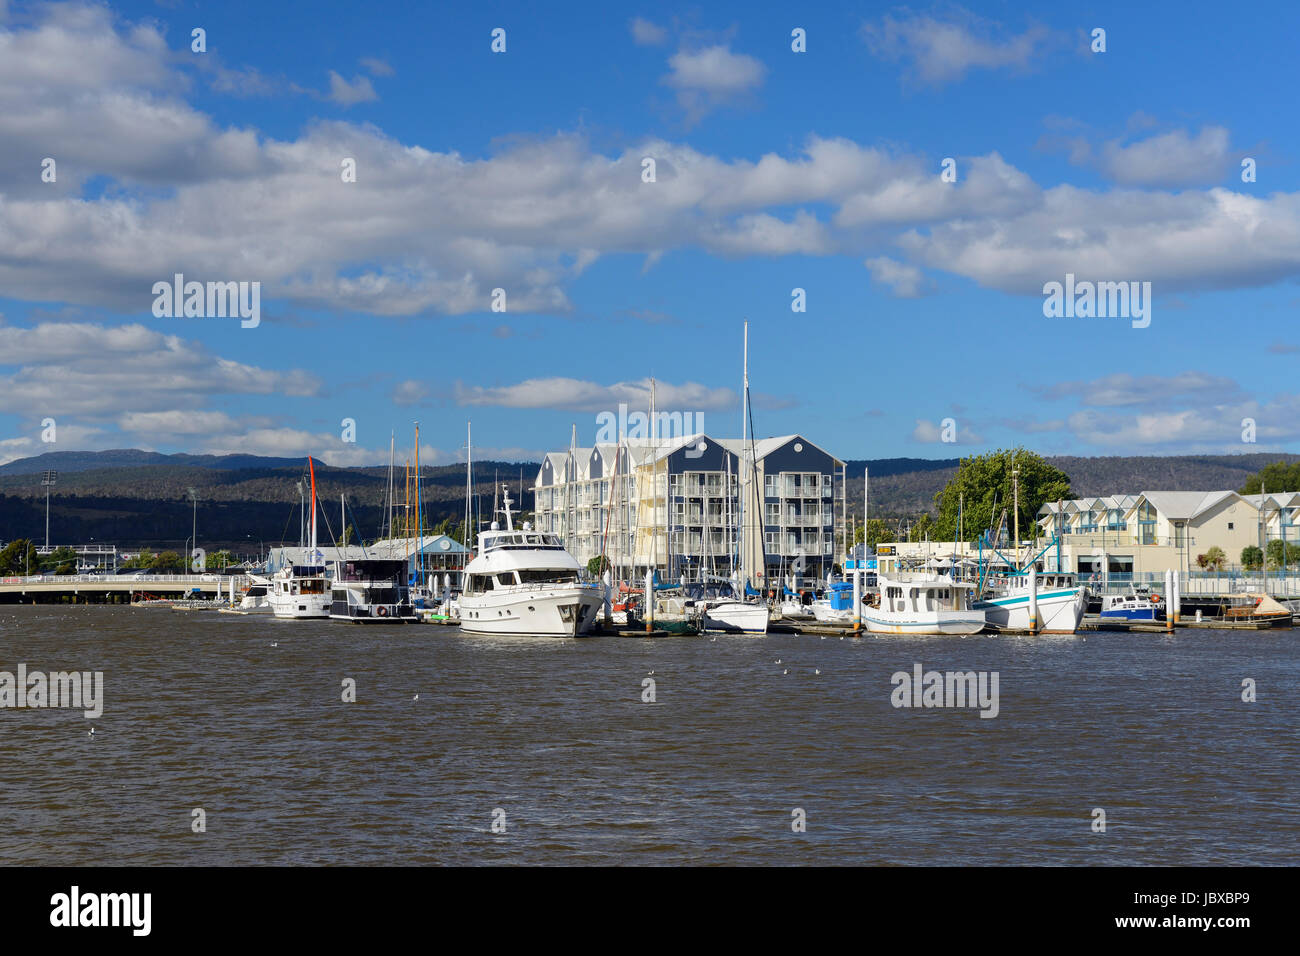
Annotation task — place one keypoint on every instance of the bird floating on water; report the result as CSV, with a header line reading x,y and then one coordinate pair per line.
x,y
786,671
416,697
815,671
92,732
275,644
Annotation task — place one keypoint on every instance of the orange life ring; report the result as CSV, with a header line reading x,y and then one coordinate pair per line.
x,y
381,611
1155,599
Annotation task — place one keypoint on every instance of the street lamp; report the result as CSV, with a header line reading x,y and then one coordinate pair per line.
x,y
47,480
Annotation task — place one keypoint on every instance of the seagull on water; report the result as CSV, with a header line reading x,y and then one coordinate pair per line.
x,y
416,697
92,732
275,644
786,671
815,671
777,661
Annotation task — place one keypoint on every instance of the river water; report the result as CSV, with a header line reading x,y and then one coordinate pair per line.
x,y
552,742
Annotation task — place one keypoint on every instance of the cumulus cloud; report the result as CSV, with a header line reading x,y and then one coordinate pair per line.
x,y
712,76
905,280
940,49
360,90
1173,159
423,232
927,432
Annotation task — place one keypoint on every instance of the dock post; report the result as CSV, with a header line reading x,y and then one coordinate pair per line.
x,y
1169,600
1178,597
649,601
857,599
1033,599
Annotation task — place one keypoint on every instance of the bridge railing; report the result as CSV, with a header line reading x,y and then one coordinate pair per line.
x,y
137,582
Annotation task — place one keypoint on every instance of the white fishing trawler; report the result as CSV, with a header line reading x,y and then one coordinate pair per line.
x,y
302,591
922,603
1060,598
523,582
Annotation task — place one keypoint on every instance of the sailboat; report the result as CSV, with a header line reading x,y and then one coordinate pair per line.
x,y
302,591
741,613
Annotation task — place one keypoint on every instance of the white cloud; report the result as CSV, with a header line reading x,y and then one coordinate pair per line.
x,y
905,280
99,373
578,395
410,392
712,76
360,90
1170,160
376,67
941,49
645,33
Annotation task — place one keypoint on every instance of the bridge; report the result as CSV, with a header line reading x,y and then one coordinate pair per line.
x,y
113,588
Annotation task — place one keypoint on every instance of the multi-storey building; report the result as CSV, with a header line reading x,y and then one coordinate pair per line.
x,y
677,505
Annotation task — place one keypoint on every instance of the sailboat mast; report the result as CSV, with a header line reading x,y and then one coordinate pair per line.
x,y
419,514
311,468
387,530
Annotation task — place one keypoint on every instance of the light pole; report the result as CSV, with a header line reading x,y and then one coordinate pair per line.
x,y
48,479
194,527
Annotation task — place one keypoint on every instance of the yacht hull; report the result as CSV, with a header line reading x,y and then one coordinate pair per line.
x,y
1059,612
553,612
737,617
924,622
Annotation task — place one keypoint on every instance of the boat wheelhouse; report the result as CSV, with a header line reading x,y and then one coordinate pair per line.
x,y
372,591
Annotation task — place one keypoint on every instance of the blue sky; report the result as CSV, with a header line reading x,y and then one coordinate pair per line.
x,y
522,170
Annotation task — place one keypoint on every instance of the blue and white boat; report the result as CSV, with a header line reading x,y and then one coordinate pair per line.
x,y
1137,606
912,603
1061,602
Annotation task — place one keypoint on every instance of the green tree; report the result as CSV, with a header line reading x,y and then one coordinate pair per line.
x,y
982,488
923,529
1282,553
14,556
168,562
1277,476
597,565
873,532
62,561
218,560
1252,558
1215,559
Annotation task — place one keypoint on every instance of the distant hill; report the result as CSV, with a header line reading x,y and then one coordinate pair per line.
x,y
133,498
70,461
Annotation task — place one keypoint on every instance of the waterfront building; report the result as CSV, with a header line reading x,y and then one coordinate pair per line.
x,y
1140,536
441,553
674,505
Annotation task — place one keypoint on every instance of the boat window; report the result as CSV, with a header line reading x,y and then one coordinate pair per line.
x,y
547,576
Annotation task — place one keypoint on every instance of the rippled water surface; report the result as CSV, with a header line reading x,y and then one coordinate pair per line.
x,y
202,711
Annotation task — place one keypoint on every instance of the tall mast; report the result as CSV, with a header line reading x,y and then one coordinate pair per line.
x,y
469,487
419,514
741,490
312,470
387,530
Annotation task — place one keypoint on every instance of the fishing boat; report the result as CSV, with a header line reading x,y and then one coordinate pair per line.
x,y
922,603
837,606
523,582
1061,602
1137,605
371,591
302,591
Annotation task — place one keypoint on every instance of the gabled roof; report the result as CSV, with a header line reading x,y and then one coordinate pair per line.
x,y
1183,505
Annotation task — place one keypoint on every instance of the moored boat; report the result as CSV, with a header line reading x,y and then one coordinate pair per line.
x,y
918,603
